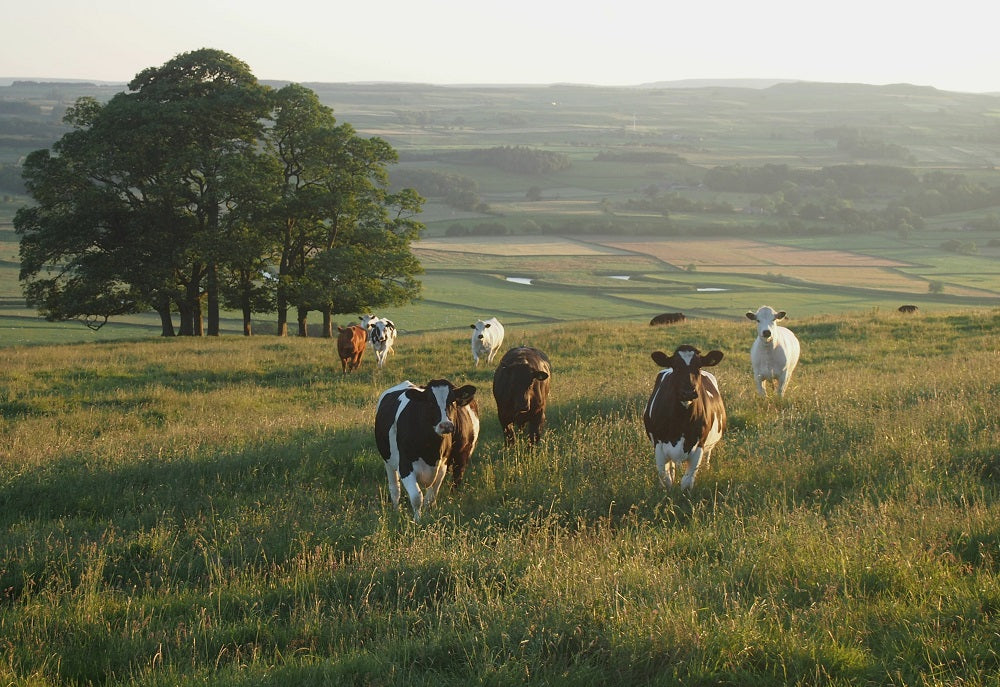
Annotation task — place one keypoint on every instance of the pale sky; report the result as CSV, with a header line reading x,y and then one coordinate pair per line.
x,y
951,46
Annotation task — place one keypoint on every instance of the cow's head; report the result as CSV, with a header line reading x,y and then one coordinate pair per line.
x,y
685,364
519,387
766,317
480,327
381,329
439,401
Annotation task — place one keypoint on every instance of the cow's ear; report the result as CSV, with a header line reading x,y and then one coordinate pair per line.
x,y
472,326
540,375
752,316
660,358
414,394
464,394
780,316
711,359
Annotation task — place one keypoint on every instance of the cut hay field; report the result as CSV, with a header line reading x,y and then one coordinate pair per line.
x,y
213,511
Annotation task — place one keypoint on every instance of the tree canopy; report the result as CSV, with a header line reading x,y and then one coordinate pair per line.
x,y
199,188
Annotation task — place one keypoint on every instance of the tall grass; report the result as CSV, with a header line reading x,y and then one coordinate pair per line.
x,y
214,511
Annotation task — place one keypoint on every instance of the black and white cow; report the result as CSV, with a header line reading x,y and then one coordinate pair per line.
x,y
420,431
685,416
381,336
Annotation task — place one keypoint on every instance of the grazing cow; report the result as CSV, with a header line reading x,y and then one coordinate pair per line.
x,y
487,337
775,351
351,346
420,431
521,388
908,309
381,335
685,416
667,318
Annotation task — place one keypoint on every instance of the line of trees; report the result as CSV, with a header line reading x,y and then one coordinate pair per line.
x,y
200,189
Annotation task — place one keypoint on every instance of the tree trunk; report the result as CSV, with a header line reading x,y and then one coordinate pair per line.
x,y
166,322
327,322
303,324
282,305
247,314
212,287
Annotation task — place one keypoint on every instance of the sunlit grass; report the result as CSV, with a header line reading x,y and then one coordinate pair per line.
x,y
189,511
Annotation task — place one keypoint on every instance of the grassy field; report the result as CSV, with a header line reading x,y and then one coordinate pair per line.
x,y
213,511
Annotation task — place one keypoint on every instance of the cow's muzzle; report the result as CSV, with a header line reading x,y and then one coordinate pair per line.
x,y
445,427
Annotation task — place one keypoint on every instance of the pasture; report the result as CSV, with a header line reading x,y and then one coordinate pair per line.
x,y
194,511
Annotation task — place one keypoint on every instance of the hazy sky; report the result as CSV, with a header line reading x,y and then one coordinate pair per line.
x,y
952,46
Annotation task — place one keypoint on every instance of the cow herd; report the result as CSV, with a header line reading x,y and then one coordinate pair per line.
x,y
422,431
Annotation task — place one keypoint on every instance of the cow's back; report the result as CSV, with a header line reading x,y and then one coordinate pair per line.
x,y
390,405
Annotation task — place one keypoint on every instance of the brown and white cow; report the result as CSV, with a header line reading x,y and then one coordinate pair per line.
x,y
420,431
351,343
685,416
521,388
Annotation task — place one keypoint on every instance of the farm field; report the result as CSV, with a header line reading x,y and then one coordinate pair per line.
x,y
191,511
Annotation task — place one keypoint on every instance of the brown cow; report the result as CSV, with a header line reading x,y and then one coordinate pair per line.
x,y
667,318
521,387
908,309
685,416
351,346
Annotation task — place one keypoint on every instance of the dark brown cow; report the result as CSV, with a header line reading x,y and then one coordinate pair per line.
x,y
420,432
907,309
351,346
667,318
685,416
521,387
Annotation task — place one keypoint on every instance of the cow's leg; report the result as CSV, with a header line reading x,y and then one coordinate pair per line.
x,y
759,380
694,460
393,476
439,475
664,465
413,491
782,382
535,428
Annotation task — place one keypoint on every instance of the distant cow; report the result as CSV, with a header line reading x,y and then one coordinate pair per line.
x,y
420,431
667,318
381,336
521,388
487,337
909,309
685,416
351,346
775,350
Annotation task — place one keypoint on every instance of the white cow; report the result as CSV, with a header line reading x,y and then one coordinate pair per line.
x,y
775,351
381,336
487,338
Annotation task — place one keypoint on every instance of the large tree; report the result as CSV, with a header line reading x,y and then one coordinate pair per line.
x,y
343,239
197,184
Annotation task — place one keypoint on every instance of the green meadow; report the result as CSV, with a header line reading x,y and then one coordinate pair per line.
x,y
194,511
214,511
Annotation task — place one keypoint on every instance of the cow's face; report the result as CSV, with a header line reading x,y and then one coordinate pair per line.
x,y
439,401
480,328
686,364
380,330
520,386
766,317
